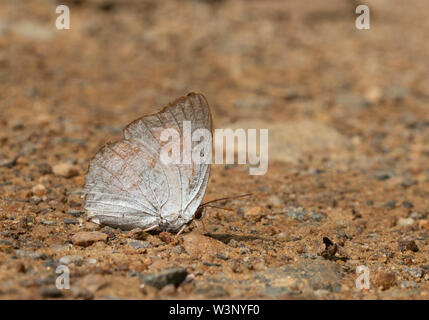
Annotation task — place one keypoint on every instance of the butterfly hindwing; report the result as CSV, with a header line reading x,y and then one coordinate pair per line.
x,y
128,184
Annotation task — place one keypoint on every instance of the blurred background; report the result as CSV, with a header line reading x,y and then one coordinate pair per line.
x,y
273,61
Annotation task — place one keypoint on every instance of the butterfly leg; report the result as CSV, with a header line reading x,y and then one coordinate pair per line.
x,y
150,228
181,230
204,226
197,224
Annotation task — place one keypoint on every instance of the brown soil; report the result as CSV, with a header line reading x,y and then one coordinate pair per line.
x,y
348,116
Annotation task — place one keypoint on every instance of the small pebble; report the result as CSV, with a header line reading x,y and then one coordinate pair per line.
x,y
39,190
386,280
407,204
211,264
76,213
256,212
166,237
198,246
51,292
415,273
275,201
138,234
383,175
424,224
410,245
85,239
65,170
222,256
165,277
92,282
417,215
283,236
47,222
403,222
389,204
374,94
408,284
70,221
19,267
31,254
70,259
81,293
140,244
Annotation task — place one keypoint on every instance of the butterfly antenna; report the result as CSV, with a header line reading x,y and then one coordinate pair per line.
x,y
227,198
228,209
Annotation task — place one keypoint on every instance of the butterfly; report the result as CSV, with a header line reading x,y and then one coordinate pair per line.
x,y
128,186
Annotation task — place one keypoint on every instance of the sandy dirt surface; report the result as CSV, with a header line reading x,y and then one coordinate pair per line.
x,y
348,116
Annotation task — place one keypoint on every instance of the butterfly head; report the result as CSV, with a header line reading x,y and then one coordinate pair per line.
x,y
200,212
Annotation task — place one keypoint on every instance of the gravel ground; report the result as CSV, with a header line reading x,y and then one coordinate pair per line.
x,y
348,116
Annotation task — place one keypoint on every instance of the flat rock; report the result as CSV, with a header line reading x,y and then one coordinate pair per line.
x,y
301,214
85,239
51,292
407,244
70,259
92,282
385,280
39,190
31,254
165,277
415,273
198,245
403,222
136,244
256,212
290,142
33,31
316,275
81,293
66,170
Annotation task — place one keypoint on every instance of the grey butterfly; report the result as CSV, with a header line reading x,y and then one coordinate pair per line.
x,y
127,186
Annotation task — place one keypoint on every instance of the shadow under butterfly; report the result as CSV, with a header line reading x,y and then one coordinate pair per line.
x,y
128,186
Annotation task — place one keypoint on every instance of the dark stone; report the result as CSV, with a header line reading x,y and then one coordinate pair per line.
x,y
6,243
407,204
405,245
51,264
81,293
222,256
383,175
168,276
44,168
51,292
390,204
140,244
210,264
70,221
75,213
408,183
48,222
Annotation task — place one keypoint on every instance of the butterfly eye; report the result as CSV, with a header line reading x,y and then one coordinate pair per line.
x,y
199,213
